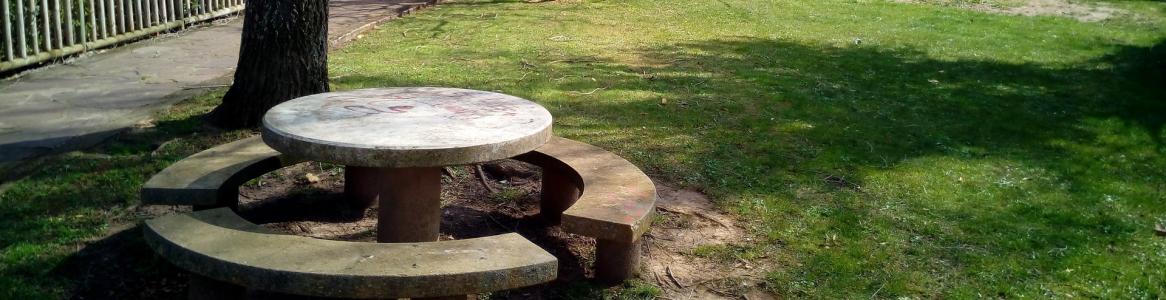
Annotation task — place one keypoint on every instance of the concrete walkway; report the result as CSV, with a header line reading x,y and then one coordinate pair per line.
x,y
80,103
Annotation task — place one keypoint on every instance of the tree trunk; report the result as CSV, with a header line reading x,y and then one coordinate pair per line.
x,y
284,55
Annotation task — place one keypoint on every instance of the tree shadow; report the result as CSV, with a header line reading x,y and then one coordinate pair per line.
x,y
68,199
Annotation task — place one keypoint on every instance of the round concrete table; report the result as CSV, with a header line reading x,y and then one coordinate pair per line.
x,y
394,141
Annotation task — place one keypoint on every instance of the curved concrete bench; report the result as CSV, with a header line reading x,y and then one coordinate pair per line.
x,y
211,178
220,245
596,193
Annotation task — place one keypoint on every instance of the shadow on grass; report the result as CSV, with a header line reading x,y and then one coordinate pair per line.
x,y
54,207
758,120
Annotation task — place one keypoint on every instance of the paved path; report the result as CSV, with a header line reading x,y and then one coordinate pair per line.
x,y
80,103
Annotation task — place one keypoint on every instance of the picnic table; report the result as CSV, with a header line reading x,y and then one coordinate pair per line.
x,y
393,143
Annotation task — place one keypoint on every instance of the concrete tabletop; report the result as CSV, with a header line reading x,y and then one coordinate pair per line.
x,y
406,127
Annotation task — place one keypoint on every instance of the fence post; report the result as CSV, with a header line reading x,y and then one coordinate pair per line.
x,y
32,25
44,17
69,32
57,24
111,17
99,19
7,32
137,14
84,31
20,28
107,16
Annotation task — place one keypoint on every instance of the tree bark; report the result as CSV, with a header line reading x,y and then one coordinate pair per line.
x,y
284,55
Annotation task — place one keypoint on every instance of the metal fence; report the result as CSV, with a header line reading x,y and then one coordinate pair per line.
x,y
39,30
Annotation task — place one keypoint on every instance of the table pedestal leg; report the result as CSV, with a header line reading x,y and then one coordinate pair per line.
x,y
410,204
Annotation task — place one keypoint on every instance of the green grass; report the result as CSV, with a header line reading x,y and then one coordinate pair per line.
x,y
880,150
886,149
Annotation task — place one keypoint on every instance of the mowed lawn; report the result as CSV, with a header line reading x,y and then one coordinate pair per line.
x,y
877,149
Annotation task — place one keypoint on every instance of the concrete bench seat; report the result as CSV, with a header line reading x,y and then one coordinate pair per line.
x,y
587,190
220,245
211,178
595,193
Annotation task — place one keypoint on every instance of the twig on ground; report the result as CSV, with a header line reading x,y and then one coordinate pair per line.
x,y
743,261
482,178
696,213
658,280
488,216
447,172
194,87
668,270
572,61
876,293
722,293
587,93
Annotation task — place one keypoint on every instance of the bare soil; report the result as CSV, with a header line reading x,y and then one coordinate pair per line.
x,y
1082,12
121,266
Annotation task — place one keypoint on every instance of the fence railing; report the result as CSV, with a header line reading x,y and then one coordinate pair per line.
x,y
39,30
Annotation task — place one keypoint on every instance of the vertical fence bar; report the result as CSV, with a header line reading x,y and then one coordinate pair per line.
x,y
122,20
165,11
93,18
32,25
138,21
84,31
116,23
99,20
152,13
155,11
106,19
187,8
58,33
20,36
123,13
147,14
7,32
69,32
44,18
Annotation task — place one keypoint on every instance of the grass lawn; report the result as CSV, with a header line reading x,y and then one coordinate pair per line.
x,y
876,149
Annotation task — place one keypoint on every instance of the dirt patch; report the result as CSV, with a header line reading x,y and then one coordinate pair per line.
x,y
1064,8
690,251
